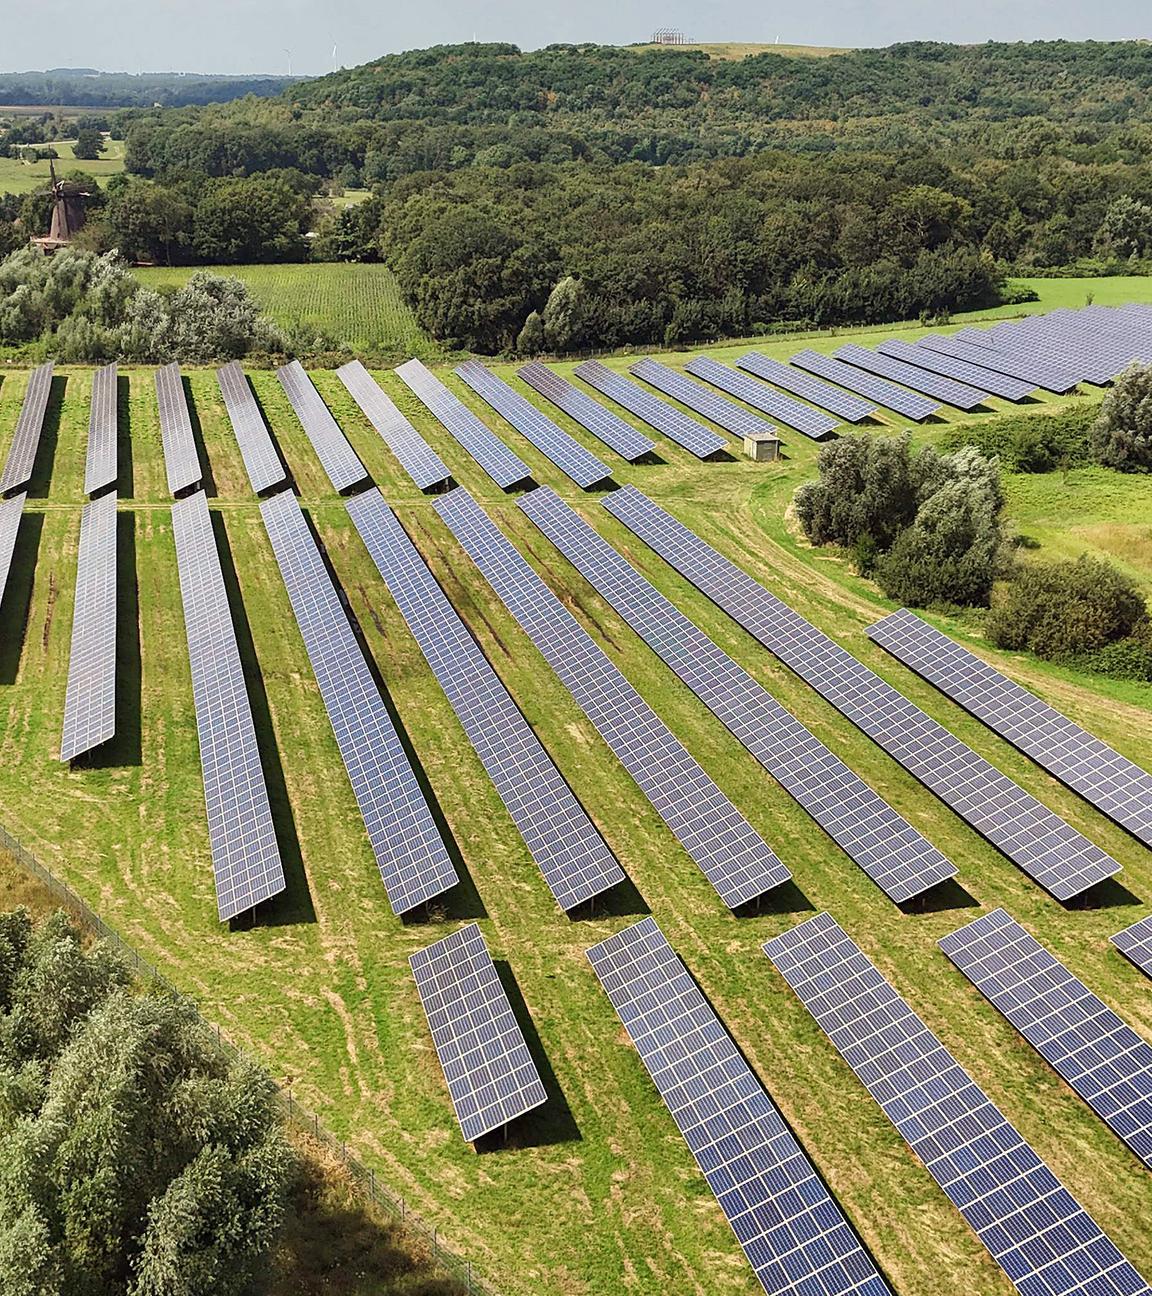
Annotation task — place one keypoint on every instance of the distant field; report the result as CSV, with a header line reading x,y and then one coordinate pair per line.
x,y
23,177
742,49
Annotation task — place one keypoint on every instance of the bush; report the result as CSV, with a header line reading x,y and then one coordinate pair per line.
x,y
1122,434
1031,443
868,488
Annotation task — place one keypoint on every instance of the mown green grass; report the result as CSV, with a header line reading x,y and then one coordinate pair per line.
x,y
596,1193
25,177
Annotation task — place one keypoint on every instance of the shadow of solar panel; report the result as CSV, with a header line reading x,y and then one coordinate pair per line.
x,y
570,853
792,1231
870,832
1032,836
100,464
332,448
1135,943
803,418
21,459
728,850
910,404
1112,783
415,455
1040,375
616,434
724,413
90,699
1013,389
490,1074
245,856
1033,1227
181,460
11,511
505,468
261,459
553,442
673,423
845,404
1074,1031
959,394
410,853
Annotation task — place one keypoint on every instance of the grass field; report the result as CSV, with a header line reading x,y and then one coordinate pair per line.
x,y
596,1193
23,177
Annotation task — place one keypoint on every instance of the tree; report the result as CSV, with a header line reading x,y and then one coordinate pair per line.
x,y
1126,230
89,145
563,316
1122,435
868,487
241,221
148,222
531,340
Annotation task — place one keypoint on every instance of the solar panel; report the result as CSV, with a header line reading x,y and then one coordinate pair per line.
x,y
728,850
910,404
871,833
570,853
410,853
339,460
1032,360
1032,836
724,413
1135,943
792,1231
1032,1226
416,456
803,418
11,511
1013,389
181,459
490,1073
1038,374
553,442
21,461
242,838
616,434
1111,782
100,466
959,394
90,699
1074,1031
673,423
505,468
840,402
261,459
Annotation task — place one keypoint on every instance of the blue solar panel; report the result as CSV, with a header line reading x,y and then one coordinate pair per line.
x,y
616,434
261,460
803,418
871,833
21,458
1033,1227
1013,389
340,461
729,851
724,413
845,404
411,855
1032,836
910,404
1135,943
100,464
11,511
1072,1029
570,853
553,442
985,357
792,1231
960,394
416,456
673,423
505,468
181,459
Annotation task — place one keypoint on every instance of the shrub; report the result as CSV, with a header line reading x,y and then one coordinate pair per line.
x,y
1122,434
1031,443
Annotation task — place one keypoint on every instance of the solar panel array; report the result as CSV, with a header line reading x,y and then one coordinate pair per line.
x,y
505,468
1038,372
803,418
673,423
490,1073
1097,343
245,856
181,459
261,459
553,442
1135,942
21,461
1032,836
90,699
615,432
1072,1029
792,1231
571,854
416,456
1111,782
871,833
729,851
724,413
910,404
411,855
845,404
952,392
11,511
100,465
1034,1228
339,460
1013,389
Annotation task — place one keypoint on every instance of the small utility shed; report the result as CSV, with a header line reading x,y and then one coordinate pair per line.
x,y
761,446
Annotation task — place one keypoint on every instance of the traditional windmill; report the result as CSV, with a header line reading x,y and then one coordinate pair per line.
x,y
67,212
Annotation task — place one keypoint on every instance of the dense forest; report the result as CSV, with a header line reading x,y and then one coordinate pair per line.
x,y
88,88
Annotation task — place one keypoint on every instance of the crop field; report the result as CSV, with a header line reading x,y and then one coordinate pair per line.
x,y
20,177
595,1194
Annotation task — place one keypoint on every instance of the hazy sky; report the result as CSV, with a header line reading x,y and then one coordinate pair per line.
x,y
256,35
